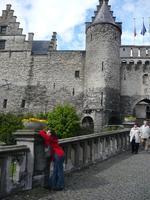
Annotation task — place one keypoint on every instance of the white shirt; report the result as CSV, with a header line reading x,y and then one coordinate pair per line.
x,y
145,131
135,132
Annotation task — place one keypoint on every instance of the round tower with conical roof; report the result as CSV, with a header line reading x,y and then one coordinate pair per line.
x,y
102,67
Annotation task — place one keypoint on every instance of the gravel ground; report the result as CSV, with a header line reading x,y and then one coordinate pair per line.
x,y
124,177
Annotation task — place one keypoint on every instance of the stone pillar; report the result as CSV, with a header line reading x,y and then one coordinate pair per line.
x,y
98,121
35,158
27,137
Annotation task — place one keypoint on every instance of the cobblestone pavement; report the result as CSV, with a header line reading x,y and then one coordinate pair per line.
x,y
124,177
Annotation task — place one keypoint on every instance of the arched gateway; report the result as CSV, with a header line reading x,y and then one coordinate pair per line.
x,y
142,109
88,124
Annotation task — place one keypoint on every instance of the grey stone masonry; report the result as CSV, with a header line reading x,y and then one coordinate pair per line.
x,y
104,82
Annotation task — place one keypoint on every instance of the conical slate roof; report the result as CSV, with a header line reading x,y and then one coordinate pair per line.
x,y
104,15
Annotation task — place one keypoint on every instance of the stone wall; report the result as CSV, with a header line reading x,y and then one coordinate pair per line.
x,y
41,80
135,74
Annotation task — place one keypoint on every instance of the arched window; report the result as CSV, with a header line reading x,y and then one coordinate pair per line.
x,y
145,79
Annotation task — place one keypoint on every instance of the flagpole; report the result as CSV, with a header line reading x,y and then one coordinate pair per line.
x,y
143,34
134,34
149,30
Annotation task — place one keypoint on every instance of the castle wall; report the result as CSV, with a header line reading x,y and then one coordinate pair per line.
x,y
42,81
135,76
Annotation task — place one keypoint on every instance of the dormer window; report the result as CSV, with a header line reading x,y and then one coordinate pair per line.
x,y
2,44
3,29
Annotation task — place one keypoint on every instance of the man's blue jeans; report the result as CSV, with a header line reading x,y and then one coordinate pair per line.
x,y
57,178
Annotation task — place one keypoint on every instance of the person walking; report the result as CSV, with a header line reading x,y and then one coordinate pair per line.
x,y
56,180
145,134
135,138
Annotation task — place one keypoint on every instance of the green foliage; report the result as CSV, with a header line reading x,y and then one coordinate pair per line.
x,y
9,123
42,115
112,128
64,121
129,118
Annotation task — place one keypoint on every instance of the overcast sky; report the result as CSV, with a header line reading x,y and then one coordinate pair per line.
x,y
67,18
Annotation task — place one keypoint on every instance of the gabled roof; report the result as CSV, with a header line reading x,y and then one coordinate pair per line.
x,y
40,47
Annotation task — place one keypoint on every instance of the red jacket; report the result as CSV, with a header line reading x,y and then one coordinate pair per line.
x,y
52,141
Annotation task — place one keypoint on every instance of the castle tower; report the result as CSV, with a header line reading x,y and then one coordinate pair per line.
x,y
102,67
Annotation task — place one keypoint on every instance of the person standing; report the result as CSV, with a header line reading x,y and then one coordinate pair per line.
x,y
145,134
135,138
56,180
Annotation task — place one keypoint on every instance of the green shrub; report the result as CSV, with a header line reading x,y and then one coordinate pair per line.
x,y
112,128
9,123
64,121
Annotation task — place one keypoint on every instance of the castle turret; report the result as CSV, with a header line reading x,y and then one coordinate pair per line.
x,y
102,67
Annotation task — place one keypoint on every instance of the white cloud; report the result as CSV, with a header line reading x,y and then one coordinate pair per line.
x,y
47,16
62,16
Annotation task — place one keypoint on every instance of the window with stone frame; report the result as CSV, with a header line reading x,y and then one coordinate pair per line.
x,y
5,103
3,29
23,103
145,79
2,44
77,74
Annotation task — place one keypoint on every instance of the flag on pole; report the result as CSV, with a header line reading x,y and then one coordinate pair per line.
x,y
149,24
135,33
143,31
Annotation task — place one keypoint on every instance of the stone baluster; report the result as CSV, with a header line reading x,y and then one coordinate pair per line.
x,y
85,152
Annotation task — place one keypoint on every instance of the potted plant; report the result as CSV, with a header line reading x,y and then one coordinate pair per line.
x,y
34,123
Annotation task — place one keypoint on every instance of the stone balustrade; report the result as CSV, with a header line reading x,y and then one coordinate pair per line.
x,y
85,150
22,166
14,172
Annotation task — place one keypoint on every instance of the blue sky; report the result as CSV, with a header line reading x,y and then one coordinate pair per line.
x,y
68,17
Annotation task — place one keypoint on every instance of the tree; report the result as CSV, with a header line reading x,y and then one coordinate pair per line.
x,y
9,123
64,121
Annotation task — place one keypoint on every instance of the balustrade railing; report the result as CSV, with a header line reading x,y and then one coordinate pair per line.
x,y
22,166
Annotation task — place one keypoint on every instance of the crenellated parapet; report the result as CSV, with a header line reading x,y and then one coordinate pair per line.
x,y
134,52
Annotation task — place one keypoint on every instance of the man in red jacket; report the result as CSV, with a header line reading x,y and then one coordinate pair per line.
x,y
56,181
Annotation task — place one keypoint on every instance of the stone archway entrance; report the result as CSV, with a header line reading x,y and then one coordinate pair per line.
x,y
88,124
142,109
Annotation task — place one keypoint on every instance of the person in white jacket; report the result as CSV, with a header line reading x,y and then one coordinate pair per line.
x,y
145,134
135,138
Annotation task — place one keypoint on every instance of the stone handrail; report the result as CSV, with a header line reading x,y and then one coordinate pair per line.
x,y
13,169
83,150
28,161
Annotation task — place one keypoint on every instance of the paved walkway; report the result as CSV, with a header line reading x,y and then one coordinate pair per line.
x,y
124,177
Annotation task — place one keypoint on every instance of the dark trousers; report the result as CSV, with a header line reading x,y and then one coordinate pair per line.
x,y
56,180
135,146
47,172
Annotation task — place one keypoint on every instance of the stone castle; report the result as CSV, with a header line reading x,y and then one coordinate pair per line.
x,y
105,82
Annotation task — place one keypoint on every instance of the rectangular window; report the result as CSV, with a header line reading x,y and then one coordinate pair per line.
x,y
3,29
102,66
23,103
5,103
139,52
131,52
2,44
73,92
77,74
102,95
146,52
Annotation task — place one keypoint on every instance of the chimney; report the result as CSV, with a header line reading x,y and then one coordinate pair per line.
x,y
8,6
30,36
